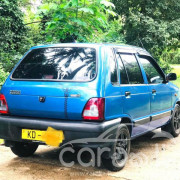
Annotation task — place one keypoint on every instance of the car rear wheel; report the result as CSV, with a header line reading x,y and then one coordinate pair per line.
x,y
121,149
173,127
24,149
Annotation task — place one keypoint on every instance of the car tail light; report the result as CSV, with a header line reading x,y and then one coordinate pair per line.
x,y
3,105
94,109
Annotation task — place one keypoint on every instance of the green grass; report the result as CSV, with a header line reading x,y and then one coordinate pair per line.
x,y
176,69
177,82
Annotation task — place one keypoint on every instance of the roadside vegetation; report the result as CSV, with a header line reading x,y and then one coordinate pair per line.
x,y
153,25
176,69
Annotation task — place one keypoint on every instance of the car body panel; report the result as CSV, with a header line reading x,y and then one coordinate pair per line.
x,y
137,106
56,95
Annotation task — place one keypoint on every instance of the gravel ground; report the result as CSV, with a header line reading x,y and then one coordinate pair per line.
x,y
150,158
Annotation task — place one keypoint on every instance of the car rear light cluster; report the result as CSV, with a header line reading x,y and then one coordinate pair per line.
x,y
94,109
3,105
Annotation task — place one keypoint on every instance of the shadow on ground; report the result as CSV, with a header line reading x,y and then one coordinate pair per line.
x,y
50,156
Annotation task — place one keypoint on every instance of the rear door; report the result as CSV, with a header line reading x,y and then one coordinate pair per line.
x,y
136,99
53,83
160,92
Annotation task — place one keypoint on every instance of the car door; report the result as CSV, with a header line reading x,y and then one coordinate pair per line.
x,y
135,93
114,103
160,92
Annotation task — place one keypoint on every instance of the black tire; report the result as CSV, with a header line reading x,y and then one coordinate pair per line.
x,y
24,149
173,127
121,150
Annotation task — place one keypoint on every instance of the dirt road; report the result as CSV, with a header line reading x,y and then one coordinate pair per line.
x,y
157,158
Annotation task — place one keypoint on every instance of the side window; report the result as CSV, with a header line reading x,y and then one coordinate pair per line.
x,y
123,74
113,68
132,68
152,73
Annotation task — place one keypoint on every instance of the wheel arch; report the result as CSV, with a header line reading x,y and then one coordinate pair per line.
x,y
178,102
128,122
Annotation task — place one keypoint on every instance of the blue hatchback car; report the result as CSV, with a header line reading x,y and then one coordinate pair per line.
x,y
87,91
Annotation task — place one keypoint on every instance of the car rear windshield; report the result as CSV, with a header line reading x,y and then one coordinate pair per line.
x,y
65,63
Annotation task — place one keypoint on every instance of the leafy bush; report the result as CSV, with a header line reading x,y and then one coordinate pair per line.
x,y
79,20
3,75
13,33
172,57
176,69
152,24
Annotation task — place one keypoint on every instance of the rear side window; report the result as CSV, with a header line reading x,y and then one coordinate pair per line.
x,y
65,63
113,68
123,74
133,69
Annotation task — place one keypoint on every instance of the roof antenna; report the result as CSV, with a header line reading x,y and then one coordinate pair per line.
x,y
141,43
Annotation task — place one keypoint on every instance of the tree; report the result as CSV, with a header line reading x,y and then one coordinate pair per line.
x,y
3,75
80,20
154,25
12,34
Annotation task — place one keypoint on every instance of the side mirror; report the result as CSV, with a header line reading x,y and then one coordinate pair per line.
x,y
171,77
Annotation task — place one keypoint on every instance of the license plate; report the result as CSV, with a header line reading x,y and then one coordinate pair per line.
x,y
51,136
35,135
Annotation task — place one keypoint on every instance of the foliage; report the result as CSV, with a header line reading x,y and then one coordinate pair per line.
x,y
176,69
3,75
79,20
154,25
112,34
34,33
172,57
12,35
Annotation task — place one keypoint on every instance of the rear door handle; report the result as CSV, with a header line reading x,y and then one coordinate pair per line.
x,y
127,93
153,91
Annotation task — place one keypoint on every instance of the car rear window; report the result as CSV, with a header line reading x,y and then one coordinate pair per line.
x,y
65,63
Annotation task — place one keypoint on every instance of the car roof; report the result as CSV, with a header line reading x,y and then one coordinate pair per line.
x,y
120,47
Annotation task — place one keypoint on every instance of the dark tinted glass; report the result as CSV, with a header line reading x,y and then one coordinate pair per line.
x,y
153,76
113,68
132,68
73,63
123,74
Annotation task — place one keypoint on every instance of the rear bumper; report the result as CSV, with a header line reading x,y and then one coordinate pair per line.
x,y
78,133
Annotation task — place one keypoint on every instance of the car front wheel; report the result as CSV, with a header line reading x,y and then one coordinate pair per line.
x,y
173,127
